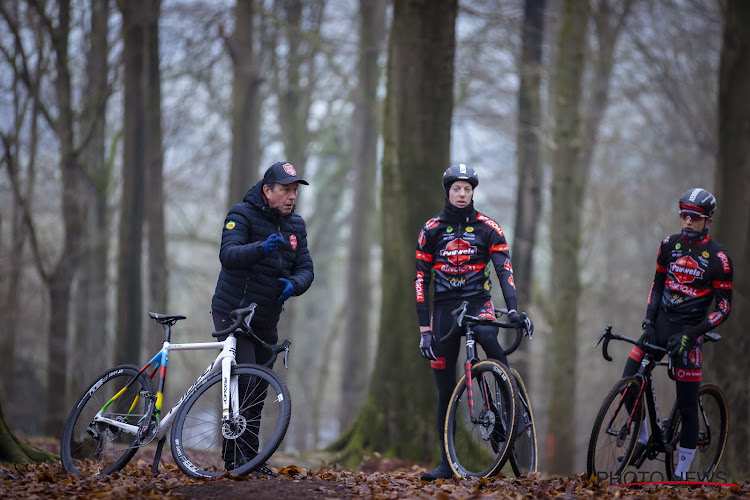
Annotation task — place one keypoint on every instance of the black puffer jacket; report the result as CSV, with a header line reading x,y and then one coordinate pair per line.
x,y
248,274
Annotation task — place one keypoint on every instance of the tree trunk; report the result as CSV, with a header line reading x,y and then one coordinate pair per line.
x,y
135,28
724,360
245,103
529,156
15,451
157,245
398,417
301,26
356,329
61,280
568,187
91,299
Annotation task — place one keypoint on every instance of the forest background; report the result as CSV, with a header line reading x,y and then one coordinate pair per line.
x,y
130,127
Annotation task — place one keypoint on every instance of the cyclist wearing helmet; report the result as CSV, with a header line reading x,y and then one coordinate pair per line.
x,y
456,247
692,271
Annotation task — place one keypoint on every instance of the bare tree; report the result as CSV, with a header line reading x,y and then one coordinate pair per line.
x,y
397,418
732,228
137,18
529,155
356,328
568,186
154,186
245,102
91,300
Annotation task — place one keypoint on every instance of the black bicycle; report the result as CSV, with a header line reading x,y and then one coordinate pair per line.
x,y
617,426
489,419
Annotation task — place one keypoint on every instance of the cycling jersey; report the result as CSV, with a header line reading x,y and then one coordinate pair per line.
x,y
456,249
689,276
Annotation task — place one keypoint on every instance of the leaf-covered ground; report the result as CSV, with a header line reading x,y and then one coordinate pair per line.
x,y
377,479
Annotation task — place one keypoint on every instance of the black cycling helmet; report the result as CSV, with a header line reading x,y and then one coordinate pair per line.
x,y
698,200
460,172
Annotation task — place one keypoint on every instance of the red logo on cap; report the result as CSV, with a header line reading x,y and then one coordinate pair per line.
x,y
289,169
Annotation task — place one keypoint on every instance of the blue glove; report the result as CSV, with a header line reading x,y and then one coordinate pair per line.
x,y
272,243
427,345
679,343
287,291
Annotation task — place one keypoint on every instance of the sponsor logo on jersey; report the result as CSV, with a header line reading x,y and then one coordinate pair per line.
x,y
508,266
724,262
432,223
724,306
686,270
687,290
422,239
293,241
467,268
494,225
231,224
705,254
457,281
449,229
684,375
419,286
458,252
714,318
488,310
470,229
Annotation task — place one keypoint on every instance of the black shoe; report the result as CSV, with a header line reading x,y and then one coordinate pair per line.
x,y
264,470
637,452
443,471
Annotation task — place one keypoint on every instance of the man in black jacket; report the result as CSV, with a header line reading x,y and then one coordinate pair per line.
x,y
264,259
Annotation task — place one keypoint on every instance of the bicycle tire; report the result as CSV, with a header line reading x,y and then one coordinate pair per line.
x,y
198,443
712,410
481,448
523,456
89,448
615,434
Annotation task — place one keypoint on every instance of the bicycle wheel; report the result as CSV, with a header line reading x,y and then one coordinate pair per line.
x,y
523,456
616,430
478,446
713,423
89,446
203,445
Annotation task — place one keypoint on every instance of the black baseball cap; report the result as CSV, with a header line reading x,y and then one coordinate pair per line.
x,y
282,172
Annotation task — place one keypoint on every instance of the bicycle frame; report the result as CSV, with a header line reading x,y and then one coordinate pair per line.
x,y
657,441
224,362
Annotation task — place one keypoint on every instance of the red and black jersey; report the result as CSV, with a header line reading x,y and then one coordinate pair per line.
x,y
457,254
689,276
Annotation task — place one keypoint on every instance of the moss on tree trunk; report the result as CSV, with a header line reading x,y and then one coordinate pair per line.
x,y
16,451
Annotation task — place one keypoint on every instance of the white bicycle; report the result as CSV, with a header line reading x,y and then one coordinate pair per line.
x,y
216,425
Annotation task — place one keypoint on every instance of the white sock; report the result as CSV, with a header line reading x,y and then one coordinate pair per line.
x,y
643,436
686,458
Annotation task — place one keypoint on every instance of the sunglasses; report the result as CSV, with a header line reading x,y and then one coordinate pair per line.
x,y
693,216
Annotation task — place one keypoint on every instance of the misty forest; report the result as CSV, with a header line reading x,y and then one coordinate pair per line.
x,y
130,127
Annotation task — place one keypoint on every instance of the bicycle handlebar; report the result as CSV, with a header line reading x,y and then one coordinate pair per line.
x,y
607,335
241,324
461,320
